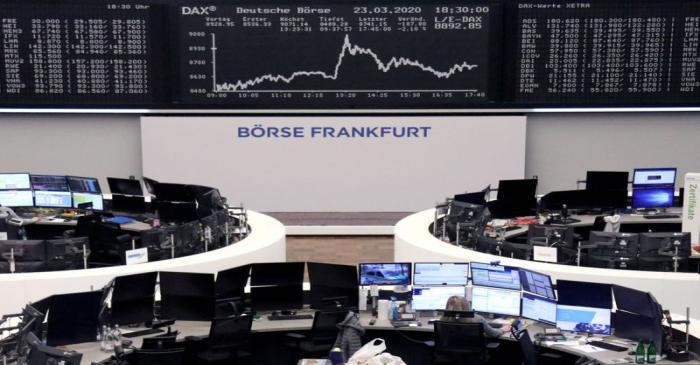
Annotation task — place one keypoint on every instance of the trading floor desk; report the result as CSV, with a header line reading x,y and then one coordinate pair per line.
x,y
409,335
265,243
413,240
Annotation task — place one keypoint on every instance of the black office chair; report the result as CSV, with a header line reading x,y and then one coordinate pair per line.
x,y
460,344
521,251
174,356
224,344
322,336
529,351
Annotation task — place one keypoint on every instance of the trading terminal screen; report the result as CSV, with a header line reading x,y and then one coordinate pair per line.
x,y
16,198
496,301
84,185
49,183
95,199
430,298
14,181
441,273
536,283
496,276
53,199
539,309
584,319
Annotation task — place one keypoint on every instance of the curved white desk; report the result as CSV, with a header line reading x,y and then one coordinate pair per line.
x,y
413,242
265,243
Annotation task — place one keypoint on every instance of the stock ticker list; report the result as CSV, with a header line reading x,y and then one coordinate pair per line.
x,y
582,52
75,54
336,55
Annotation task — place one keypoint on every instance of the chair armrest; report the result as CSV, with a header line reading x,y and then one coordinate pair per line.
x,y
492,345
196,338
430,344
296,336
551,355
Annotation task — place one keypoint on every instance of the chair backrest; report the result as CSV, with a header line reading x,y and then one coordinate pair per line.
x,y
526,347
463,338
229,332
159,357
324,327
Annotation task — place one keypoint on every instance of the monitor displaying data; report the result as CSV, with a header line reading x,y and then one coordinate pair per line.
x,y
652,197
536,283
456,273
539,309
333,55
53,199
84,185
49,183
79,54
430,298
14,181
496,276
654,177
606,52
385,274
95,199
496,301
16,198
583,319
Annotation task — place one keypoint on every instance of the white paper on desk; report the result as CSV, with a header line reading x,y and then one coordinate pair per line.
x,y
3,236
562,343
586,348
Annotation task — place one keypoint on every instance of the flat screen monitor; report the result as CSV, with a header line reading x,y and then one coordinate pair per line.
x,y
277,297
614,244
14,181
150,185
539,309
477,198
496,276
84,185
550,234
445,273
328,281
126,203
652,197
187,296
432,298
385,274
95,199
231,283
496,301
53,199
635,301
659,177
607,180
133,297
652,243
278,273
584,294
517,189
124,186
633,327
584,319
16,198
49,183
174,192
537,283
73,318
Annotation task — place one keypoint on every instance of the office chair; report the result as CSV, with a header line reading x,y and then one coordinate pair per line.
x,y
460,344
322,336
223,345
521,251
529,351
174,356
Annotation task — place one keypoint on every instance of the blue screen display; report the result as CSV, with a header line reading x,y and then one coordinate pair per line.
x,y
652,198
385,274
496,276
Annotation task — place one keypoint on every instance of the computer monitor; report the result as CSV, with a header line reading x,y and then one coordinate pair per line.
x,y
16,198
496,301
537,283
278,273
174,192
176,211
124,186
231,283
444,273
433,298
187,296
53,199
277,297
40,354
150,185
49,182
84,185
515,198
73,318
133,297
634,326
584,294
82,198
659,244
15,181
539,309
614,244
385,273
332,281
607,180
584,319
126,203
496,276
635,301
477,198
550,235
652,197
656,177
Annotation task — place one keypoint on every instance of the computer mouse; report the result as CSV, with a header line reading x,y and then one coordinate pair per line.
x,y
372,321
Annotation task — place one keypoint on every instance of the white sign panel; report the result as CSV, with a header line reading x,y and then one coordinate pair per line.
x,y
691,213
340,164
545,254
137,256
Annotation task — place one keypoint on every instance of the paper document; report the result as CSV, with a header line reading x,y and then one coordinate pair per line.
x,y
586,348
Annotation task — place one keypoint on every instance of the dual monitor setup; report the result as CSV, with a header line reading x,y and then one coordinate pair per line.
x,y
510,291
49,191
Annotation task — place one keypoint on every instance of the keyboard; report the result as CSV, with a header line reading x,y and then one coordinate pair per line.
x,y
145,332
660,216
608,346
286,317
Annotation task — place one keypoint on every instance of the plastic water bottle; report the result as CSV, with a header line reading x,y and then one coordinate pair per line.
x,y
394,315
103,338
651,353
156,220
639,353
117,335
